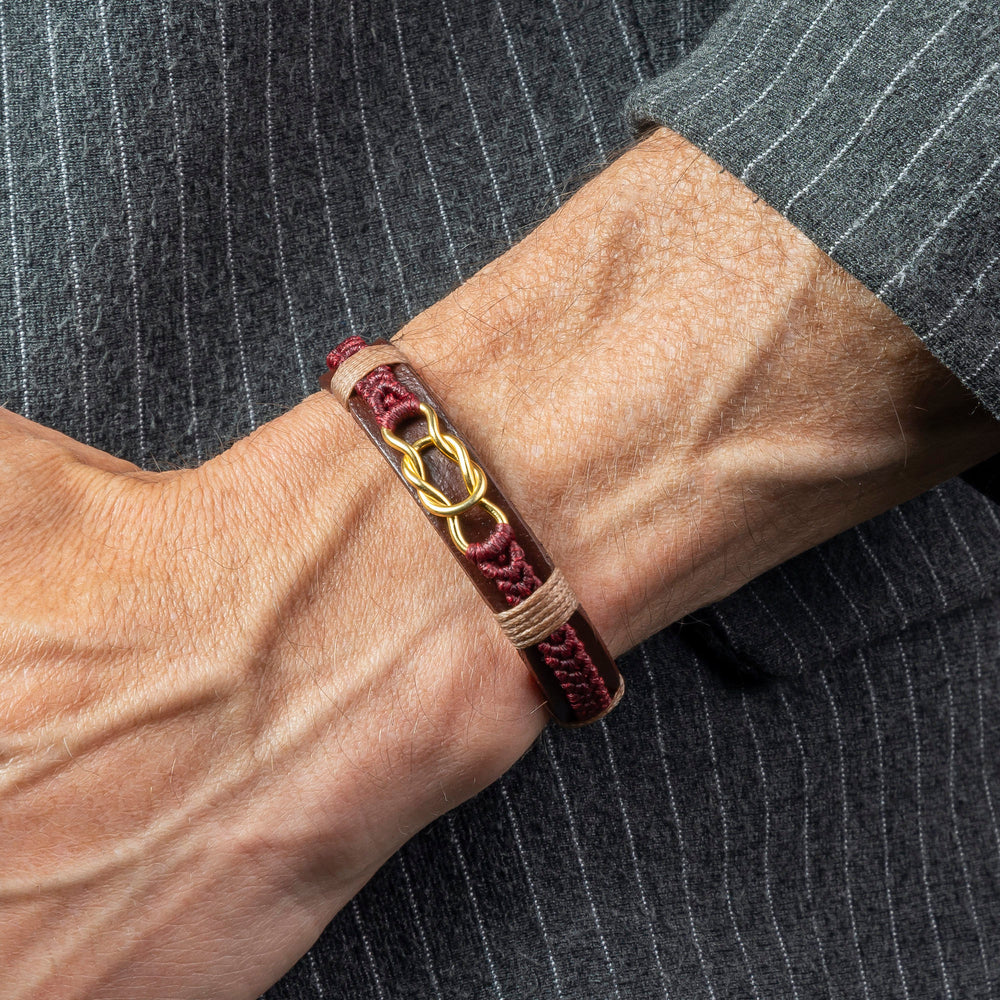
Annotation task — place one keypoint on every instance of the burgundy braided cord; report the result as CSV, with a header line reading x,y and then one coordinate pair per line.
x,y
391,402
500,558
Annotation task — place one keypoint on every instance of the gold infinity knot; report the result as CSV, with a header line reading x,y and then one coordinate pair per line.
x,y
415,473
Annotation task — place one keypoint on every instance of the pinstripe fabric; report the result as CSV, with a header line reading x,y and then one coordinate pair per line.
x,y
800,796
874,126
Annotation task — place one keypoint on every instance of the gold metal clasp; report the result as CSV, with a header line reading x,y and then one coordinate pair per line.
x,y
415,473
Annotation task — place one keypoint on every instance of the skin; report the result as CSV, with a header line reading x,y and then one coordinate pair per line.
x,y
231,692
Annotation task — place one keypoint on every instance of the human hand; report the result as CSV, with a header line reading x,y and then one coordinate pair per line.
x,y
228,695
231,692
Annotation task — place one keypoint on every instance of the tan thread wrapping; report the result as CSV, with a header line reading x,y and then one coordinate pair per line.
x,y
539,615
353,369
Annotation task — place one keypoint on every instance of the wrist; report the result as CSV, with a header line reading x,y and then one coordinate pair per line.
x,y
414,648
679,390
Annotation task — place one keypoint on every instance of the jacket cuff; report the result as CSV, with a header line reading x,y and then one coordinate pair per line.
x,y
874,127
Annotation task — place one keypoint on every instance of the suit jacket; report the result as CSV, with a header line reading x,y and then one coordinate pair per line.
x,y
800,795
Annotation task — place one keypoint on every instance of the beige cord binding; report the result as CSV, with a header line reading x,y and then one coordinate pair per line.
x,y
539,615
357,366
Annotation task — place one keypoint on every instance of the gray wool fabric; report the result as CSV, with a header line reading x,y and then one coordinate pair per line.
x,y
800,795
875,128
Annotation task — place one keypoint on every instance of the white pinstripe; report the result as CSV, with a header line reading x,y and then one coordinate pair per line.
x,y
835,715
626,40
476,128
980,937
920,818
873,110
767,846
883,821
838,583
898,511
739,67
421,931
686,78
356,910
810,896
119,128
404,62
953,807
547,742
986,360
279,230
797,736
939,495
852,48
528,102
370,153
643,900
725,836
982,730
682,855
885,576
228,212
924,865
22,338
955,111
975,286
522,854
773,83
802,756
951,773
990,507
321,167
574,62
70,227
460,854
182,213
879,743
955,209
314,974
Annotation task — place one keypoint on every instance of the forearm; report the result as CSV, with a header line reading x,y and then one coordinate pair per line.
x,y
681,391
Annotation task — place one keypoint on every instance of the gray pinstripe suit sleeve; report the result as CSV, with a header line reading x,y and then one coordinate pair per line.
x,y
874,126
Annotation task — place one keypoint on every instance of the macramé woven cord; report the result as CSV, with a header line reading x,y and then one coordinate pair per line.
x,y
352,370
540,614
501,559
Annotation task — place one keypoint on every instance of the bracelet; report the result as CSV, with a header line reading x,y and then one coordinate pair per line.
x,y
531,600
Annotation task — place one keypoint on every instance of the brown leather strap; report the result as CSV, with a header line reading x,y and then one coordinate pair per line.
x,y
476,525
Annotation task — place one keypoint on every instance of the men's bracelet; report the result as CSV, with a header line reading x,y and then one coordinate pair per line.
x,y
532,601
